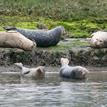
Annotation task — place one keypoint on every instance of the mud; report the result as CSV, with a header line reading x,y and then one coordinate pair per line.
x,y
78,51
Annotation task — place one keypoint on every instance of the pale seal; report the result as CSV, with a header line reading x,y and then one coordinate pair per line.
x,y
35,73
14,39
99,39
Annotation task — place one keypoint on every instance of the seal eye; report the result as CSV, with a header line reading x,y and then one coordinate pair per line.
x,y
100,41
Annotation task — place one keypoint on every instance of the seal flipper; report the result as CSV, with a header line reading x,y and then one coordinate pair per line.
x,y
8,28
26,72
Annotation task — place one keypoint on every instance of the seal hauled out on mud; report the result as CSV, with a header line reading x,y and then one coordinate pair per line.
x,y
35,73
13,39
41,37
72,72
99,39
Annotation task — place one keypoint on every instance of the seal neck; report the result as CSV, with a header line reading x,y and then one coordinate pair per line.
x,y
64,65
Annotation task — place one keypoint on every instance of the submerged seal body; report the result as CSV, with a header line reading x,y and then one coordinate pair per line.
x,y
35,73
99,39
14,39
41,37
72,72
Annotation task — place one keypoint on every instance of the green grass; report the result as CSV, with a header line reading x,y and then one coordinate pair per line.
x,y
79,17
64,46
74,28
29,25
55,9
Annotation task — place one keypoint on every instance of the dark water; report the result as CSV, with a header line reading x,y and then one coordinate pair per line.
x,y
53,91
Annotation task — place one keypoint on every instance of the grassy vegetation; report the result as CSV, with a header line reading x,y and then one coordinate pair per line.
x,y
64,46
79,17
74,28
55,9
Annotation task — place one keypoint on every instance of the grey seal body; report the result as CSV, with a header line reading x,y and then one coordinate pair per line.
x,y
43,38
73,72
76,72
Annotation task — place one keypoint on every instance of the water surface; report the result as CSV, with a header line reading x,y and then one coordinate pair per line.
x,y
54,91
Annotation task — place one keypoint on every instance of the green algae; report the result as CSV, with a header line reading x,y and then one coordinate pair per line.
x,y
74,28
66,45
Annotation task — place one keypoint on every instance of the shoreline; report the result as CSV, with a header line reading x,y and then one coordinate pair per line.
x,y
77,51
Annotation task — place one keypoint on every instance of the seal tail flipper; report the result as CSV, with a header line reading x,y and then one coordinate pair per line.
x,y
20,65
8,28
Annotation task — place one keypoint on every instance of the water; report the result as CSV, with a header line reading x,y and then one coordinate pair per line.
x,y
54,91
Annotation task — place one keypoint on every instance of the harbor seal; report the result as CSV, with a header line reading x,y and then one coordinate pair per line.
x,y
43,38
72,72
14,39
35,73
99,39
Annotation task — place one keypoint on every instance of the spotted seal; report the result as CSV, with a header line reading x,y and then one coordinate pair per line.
x,y
73,72
43,38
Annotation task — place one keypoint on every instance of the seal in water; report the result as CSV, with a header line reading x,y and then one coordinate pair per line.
x,y
99,39
73,72
13,39
43,38
37,72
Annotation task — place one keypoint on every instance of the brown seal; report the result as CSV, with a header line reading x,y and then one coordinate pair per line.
x,y
13,39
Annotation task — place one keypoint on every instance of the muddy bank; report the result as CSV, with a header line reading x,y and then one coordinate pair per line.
x,y
77,50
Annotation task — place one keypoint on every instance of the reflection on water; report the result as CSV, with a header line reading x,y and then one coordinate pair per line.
x,y
53,91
